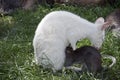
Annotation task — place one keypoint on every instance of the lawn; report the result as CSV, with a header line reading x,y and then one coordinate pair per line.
x,y
16,50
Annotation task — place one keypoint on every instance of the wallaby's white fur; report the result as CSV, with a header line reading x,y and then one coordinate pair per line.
x,y
57,30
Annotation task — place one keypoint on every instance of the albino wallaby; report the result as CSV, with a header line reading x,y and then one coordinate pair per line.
x,y
57,30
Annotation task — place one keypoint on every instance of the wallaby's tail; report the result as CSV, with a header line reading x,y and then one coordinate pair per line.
x,y
110,57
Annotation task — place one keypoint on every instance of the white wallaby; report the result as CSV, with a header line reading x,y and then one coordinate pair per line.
x,y
57,30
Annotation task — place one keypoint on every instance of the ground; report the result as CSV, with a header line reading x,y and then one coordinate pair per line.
x,y
16,50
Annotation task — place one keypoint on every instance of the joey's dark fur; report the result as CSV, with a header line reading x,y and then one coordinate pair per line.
x,y
88,56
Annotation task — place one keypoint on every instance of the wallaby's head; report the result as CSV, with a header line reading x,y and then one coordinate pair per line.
x,y
98,36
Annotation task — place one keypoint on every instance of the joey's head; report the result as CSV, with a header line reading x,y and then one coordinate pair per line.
x,y
98,36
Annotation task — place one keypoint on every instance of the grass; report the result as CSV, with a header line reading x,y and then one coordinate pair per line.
x,y
16,51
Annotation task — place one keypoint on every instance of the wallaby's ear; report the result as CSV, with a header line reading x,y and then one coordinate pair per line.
x,y
105,25
100,20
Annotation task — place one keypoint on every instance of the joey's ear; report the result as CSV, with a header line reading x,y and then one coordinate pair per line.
x,y
100,20
105,25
